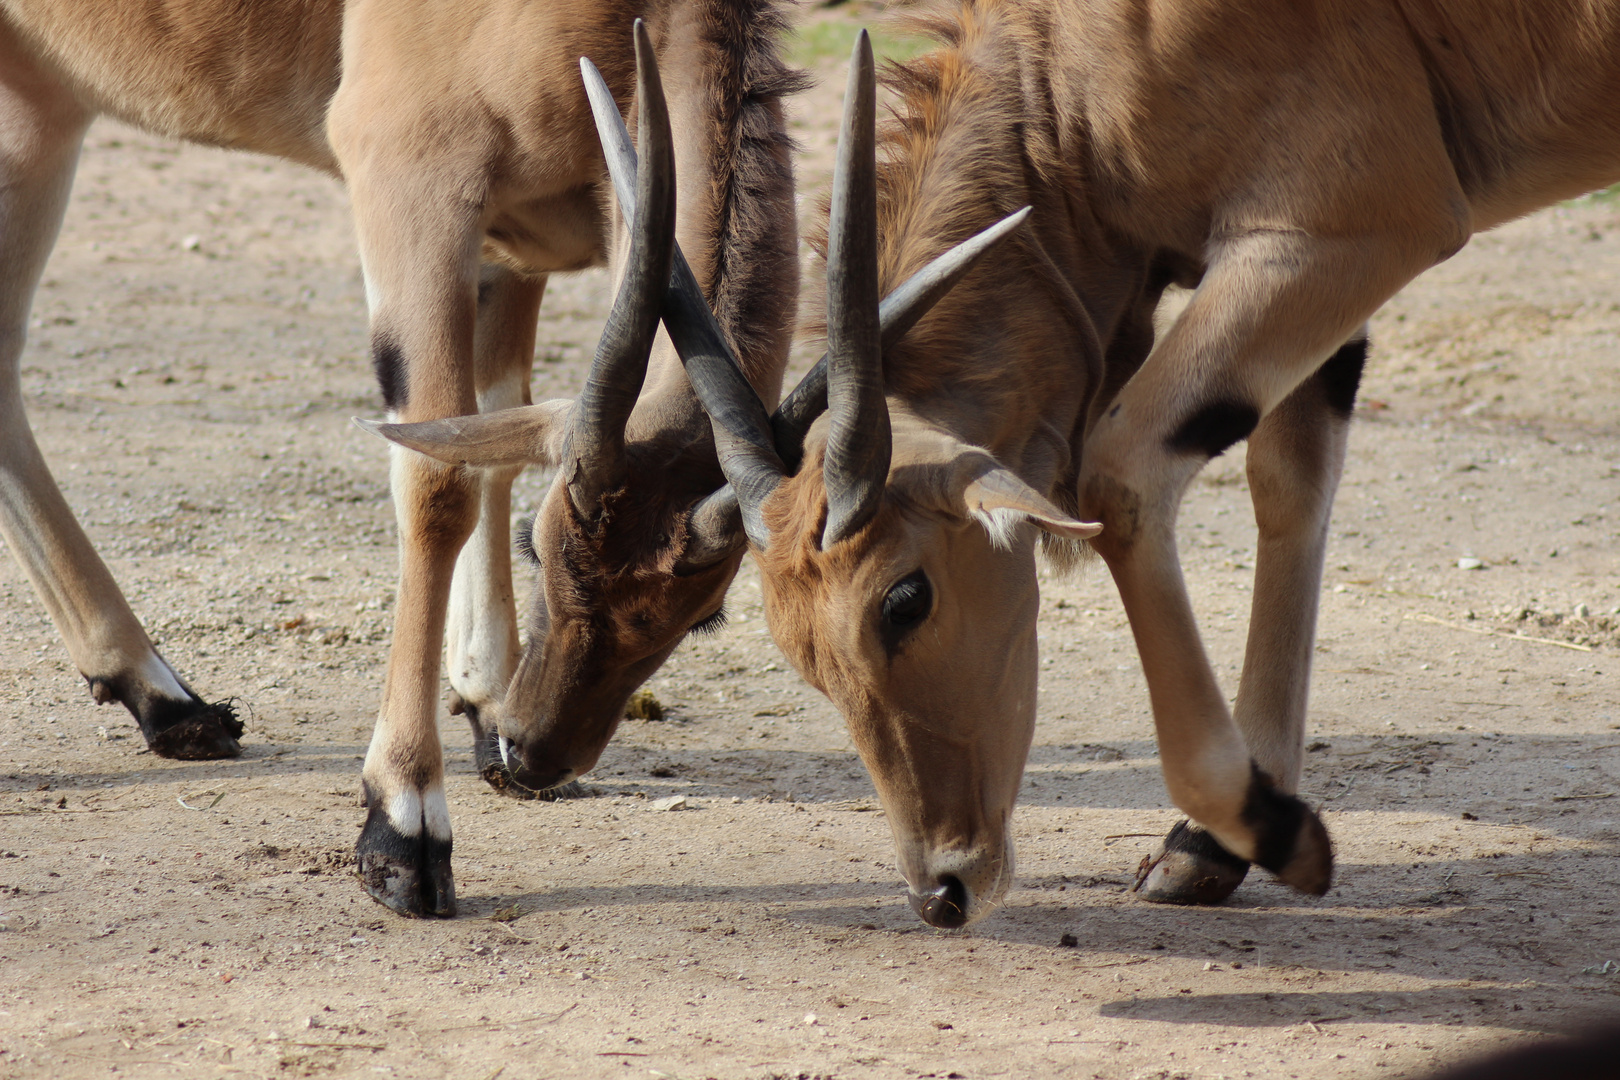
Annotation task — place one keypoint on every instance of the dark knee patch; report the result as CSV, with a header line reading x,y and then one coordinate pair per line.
x,y
445,506
388,362
1340,377
1119,508
1215,427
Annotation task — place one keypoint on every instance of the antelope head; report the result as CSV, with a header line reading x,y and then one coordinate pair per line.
x,y
629,558
898,564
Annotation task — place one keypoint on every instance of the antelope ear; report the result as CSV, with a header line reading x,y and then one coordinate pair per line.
x,y
529,434
1000,500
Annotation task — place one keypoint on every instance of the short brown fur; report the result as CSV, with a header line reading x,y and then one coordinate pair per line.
x,y
464,134
1296,164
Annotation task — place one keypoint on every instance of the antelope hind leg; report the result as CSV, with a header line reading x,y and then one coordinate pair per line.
x,y
1272,307
1296,456
482,634
40,131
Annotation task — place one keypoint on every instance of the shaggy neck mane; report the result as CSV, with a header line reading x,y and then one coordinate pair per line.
x,y
960,151
752,283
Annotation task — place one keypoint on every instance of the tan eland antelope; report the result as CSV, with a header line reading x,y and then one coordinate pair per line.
x,y
468,145
1296,164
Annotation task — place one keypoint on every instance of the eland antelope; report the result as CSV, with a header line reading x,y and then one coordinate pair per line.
x,y
474,167
1295,165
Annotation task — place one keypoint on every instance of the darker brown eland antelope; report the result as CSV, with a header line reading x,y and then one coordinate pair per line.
x,y
1296,164
469,148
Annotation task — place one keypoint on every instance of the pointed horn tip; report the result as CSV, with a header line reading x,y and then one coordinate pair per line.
x,y
373,427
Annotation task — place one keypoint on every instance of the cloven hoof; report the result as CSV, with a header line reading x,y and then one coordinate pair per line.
x,y
1190,867
207,734
409,875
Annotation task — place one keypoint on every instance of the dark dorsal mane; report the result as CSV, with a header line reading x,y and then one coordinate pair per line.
x,y
956,154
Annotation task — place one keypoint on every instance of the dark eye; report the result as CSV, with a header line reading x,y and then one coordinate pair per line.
x,y
908,602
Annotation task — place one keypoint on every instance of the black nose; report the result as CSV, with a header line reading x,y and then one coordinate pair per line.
x,y
944,907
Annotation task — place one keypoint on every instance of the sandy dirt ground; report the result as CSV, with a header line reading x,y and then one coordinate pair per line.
x,y
196,353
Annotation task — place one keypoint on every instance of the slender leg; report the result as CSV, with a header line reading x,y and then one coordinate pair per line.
x,y
419,241
1296,456
41,128
1271,309
483,636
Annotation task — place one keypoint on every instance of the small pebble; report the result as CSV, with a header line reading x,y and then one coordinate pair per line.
x,y
810,1018
190,243
674,802
1582,611
1468,562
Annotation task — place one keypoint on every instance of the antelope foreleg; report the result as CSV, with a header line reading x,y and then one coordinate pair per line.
x,y
419,248
1295,458
1271,309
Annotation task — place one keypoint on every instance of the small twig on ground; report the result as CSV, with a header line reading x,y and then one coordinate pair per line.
x,y
1572,798
1126,835
64,810
217,797
543,1018
1420,617
515,934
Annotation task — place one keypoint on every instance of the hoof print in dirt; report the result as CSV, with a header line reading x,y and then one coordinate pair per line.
x,y
1190,867
407,874
1290,840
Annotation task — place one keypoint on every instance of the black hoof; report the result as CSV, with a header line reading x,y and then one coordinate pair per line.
x,y
212,732
487,758
1189,868
189,730
407,874
1290,840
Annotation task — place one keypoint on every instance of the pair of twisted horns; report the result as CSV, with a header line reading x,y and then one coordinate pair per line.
x,y
757,451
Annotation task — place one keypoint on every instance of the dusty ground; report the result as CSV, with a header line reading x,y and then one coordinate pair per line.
x,y
197,352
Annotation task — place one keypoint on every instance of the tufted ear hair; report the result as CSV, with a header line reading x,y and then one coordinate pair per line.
x,y
999,500
529,434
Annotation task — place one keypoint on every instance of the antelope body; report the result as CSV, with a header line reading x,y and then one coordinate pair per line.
x,y
1296,164
466,139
